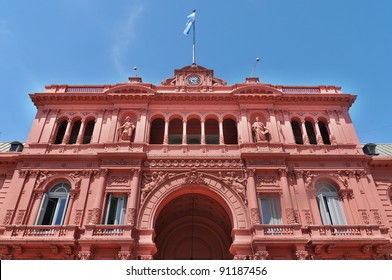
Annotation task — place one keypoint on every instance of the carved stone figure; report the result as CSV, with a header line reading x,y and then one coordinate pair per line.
x,y
260,130
126,130
235,182
154,180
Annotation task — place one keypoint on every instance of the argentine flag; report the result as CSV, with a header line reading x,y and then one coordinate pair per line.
x,y
189,23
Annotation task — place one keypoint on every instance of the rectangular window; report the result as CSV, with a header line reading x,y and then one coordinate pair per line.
x,y
331,210
52,210
270,210
116,206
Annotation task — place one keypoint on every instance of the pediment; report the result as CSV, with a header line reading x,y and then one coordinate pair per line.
x,y
193,76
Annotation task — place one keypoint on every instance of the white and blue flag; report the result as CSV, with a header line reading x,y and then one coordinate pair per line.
x,y
190,22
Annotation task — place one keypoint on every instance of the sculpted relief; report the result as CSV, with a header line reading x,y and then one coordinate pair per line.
x,y
125,131
235,182
260,131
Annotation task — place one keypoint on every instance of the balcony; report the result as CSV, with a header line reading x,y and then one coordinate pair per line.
x,y
37,233
277,230
108,233
345,231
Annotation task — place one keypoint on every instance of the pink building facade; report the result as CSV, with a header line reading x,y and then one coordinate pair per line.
x,y
194,168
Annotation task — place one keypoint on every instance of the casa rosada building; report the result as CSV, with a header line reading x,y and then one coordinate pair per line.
x,y
194,168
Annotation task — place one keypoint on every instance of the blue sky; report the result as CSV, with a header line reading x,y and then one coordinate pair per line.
x,y
346,43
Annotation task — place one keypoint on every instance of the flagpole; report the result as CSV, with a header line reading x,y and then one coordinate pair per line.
x,y
194,44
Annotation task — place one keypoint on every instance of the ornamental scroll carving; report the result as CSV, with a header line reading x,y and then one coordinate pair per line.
x,y
301,255
77,176
234,182
255,216
342,177
119,180
85,255
131,216
124,255
261,255
93,216
43,176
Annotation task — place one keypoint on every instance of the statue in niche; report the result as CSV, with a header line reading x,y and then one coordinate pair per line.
x,y
260,130
125,131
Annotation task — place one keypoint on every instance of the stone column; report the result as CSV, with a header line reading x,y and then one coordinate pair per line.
x,y
166,134
288,131
357,202
221,137
203,132
303,198
318,134
274,125
289,210
68,212
184,132
345,197
140,127
333,129
358,191
97,127
81,132
244,130
134,198
37,200
112,134
304,133
67,133
251,194
98,197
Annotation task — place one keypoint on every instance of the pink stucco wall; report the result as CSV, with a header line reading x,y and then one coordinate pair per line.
x,y
204,195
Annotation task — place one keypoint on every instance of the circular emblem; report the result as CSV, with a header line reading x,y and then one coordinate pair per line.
x,y
194,80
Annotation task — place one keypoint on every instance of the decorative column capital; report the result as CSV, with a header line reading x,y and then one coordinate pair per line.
x,y
261,255
250,172
298,174
301,255
282,172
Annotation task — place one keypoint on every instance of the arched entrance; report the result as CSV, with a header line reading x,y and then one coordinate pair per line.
x,y
193,226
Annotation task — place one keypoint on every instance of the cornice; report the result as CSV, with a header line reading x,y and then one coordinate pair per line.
x,y
50,98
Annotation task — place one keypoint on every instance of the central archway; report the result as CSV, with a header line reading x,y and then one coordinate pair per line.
x,y
193,226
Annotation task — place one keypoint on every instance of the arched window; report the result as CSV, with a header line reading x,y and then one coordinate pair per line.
x,y
297,132
175,131
330,206
324,133
88,132
193,131
157,131
54,205
61,132
230,134
212,131
74,132
311,134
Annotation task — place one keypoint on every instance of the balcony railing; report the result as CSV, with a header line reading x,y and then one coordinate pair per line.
x,y
98,231
344,230
278,230
26,232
